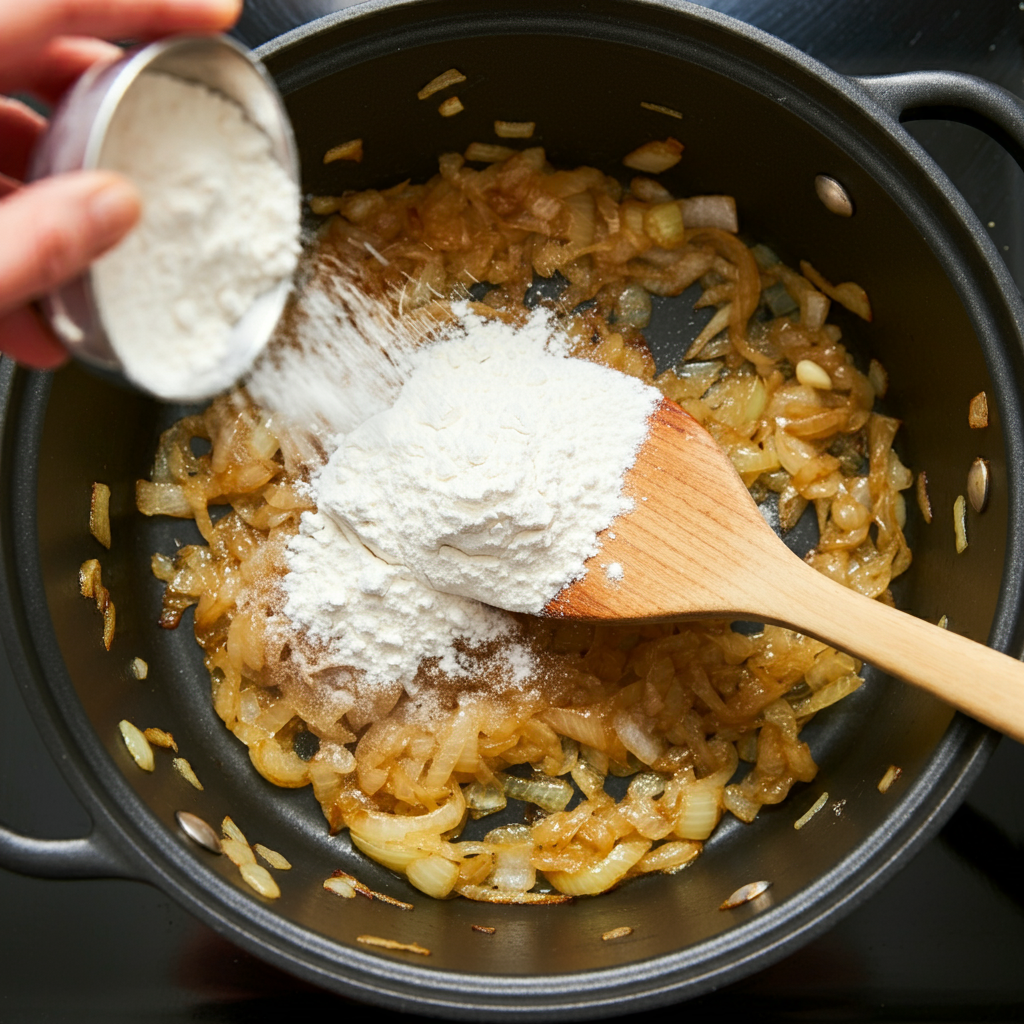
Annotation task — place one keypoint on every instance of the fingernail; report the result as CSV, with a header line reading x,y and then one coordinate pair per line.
x,y
224,8
114,208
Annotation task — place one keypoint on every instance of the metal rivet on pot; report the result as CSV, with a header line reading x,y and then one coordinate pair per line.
x,y
198,830
833,195
978,480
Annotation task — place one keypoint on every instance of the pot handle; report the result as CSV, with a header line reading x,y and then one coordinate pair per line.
x,y
92,856
952,96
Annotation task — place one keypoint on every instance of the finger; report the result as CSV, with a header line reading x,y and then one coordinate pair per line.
x,y
30,24
59,226
49,72
25,337
20,128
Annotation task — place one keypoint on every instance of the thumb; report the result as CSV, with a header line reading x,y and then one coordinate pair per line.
x,y
56,227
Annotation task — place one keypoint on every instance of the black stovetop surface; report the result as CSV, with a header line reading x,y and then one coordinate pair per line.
x,y
942,941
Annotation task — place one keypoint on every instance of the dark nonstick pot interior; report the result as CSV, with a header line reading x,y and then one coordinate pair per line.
x,y
758,123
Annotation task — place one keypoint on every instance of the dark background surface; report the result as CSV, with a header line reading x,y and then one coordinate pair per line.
x,y
942,941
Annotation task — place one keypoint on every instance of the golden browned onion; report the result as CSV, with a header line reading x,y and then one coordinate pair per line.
x,y
675,706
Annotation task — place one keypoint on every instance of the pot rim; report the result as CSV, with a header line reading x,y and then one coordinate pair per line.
x,y
153,854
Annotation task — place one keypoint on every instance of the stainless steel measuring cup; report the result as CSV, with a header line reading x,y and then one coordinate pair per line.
x,y
74,141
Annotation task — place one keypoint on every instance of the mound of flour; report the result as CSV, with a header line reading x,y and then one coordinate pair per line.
x,y
484,484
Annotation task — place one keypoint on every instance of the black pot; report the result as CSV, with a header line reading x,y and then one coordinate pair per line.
x,y
761,120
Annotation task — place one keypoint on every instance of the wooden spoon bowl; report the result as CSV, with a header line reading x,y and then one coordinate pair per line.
x,y
696,545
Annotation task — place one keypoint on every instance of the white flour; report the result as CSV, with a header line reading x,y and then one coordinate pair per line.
x,y
488,480
615,572
340,357
219,228
375,617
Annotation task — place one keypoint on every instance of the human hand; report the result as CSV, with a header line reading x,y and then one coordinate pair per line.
x,y
54,228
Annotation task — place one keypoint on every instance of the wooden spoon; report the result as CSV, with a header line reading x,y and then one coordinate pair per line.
x,y
696,545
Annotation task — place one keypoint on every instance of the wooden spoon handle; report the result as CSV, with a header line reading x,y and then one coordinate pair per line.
x,y
977,680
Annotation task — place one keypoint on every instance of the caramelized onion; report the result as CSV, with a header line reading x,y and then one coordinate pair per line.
x,y
672,705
